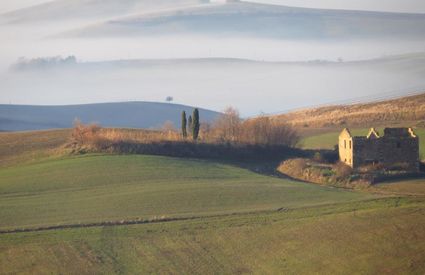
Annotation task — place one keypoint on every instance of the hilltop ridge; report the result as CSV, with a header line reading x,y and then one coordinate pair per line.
x,y
410,109
138,114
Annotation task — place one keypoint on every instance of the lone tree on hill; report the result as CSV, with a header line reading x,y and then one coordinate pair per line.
x,y
184,122
195,126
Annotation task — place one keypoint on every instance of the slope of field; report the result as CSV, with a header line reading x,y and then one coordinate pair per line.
x,y
404,187
22,147
267,21
330,139
113,188
405,109
378,237
239,221
125,114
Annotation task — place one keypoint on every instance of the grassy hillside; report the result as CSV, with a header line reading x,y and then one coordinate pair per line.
x,y
330,139
241,221
404,187
378,237
406,109
22,147
112,188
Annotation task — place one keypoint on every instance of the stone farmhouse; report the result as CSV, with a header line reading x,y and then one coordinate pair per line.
x,y
397,147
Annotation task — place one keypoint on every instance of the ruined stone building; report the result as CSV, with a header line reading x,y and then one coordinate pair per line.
x,y
397,147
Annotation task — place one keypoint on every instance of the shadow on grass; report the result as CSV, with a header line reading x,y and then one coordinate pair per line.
x,y
260,159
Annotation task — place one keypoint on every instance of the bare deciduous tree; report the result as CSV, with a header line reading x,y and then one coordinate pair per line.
x,y
261,130
227,126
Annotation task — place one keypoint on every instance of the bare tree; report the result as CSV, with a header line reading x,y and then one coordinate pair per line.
x,y
261,130
228,125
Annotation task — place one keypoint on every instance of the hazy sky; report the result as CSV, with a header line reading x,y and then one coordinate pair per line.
x,y
412,6
269,88
417,6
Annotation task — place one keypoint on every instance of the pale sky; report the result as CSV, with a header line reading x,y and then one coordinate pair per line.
x,y
412,6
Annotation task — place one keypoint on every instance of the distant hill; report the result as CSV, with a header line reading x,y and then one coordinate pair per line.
x,y
251,86
126,115
405,109
244,19
89,9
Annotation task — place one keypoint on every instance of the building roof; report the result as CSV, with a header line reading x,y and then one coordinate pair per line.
x,y
373,133
345,133
388,132
399,132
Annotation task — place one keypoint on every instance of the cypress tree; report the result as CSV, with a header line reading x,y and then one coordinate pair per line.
x,y
184,122
195,124
190,123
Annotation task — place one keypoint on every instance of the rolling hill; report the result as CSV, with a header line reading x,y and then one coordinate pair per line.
x,y
61,10
244,19
251,86
126,114
201,217
106,188
406,110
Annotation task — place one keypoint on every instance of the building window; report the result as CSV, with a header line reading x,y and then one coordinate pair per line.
x,y
350,144
345,144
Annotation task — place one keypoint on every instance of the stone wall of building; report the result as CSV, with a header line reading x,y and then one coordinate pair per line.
x,y
366,151
345,145
398,147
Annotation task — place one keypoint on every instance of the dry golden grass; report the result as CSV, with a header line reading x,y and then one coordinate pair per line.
x,y
20,147
406,109
138,135
258,132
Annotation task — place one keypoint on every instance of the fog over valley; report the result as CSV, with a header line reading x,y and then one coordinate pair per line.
x,y
254,56
252,86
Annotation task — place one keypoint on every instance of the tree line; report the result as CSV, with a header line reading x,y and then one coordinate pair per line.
x,y
230,128
192,123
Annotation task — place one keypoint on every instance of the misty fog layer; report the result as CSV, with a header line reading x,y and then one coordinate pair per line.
x,y
254,87
194,30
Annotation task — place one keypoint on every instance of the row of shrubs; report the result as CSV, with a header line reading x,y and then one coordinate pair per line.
x,y
336,173
92,138
309,170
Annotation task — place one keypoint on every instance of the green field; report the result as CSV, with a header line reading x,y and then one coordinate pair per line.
x,y
98,188
329,140
376,237
403,187
241,222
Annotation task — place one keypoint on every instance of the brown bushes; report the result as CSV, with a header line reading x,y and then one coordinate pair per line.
x,y
342,170
83,134
228,138
261,131
307,169
228,128
168,142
